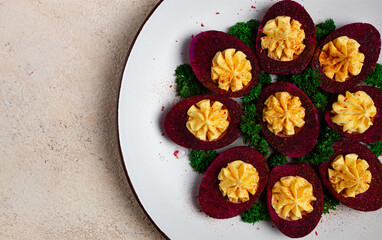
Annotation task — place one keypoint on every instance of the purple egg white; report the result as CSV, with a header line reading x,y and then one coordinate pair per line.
x,y
369,39
176,119
305,139
370,200
202,50
374,133
211,200
296,12
302,227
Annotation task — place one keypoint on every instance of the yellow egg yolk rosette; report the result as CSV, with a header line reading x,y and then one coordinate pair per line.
x,y
283,38
349,175
283,113
354,112
340,59
231,70
237,180
292,197
207,122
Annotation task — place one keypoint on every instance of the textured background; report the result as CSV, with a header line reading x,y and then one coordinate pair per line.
x,y
60,171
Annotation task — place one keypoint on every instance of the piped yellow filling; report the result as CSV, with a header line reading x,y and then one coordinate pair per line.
x,y
292,197
283,113
349,176
354,112
284,38
340,59
237,180
207,122
231,70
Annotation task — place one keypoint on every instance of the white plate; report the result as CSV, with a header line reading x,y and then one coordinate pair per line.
x,y
167,187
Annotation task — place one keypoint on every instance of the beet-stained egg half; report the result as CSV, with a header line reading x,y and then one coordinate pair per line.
x,y
294,199
223,64
286,39
288,119
356,114
347,56
353,175
204,122
233,182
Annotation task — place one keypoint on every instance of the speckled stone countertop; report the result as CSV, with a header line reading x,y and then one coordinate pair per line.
x,y
61,64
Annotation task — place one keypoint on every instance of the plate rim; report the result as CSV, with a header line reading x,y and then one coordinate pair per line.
x,y
131,47
117,121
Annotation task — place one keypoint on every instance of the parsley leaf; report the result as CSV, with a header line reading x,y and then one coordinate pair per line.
x,y
187,83
201,160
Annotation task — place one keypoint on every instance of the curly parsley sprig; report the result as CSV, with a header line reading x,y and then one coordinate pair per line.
x,y
187,83
277,159
252,130
246,31
256,213
376,148
330,203
375,77
249,125
324,29
201,160
309,81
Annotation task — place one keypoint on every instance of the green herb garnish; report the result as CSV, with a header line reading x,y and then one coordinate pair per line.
x,y
201,160
309,81
249,125
187,83
277,159
330,203
324,29
376,148
375,77
252,131
264,80
245,31
256,213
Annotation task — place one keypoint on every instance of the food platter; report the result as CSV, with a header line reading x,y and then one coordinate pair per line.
x,y
158,170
